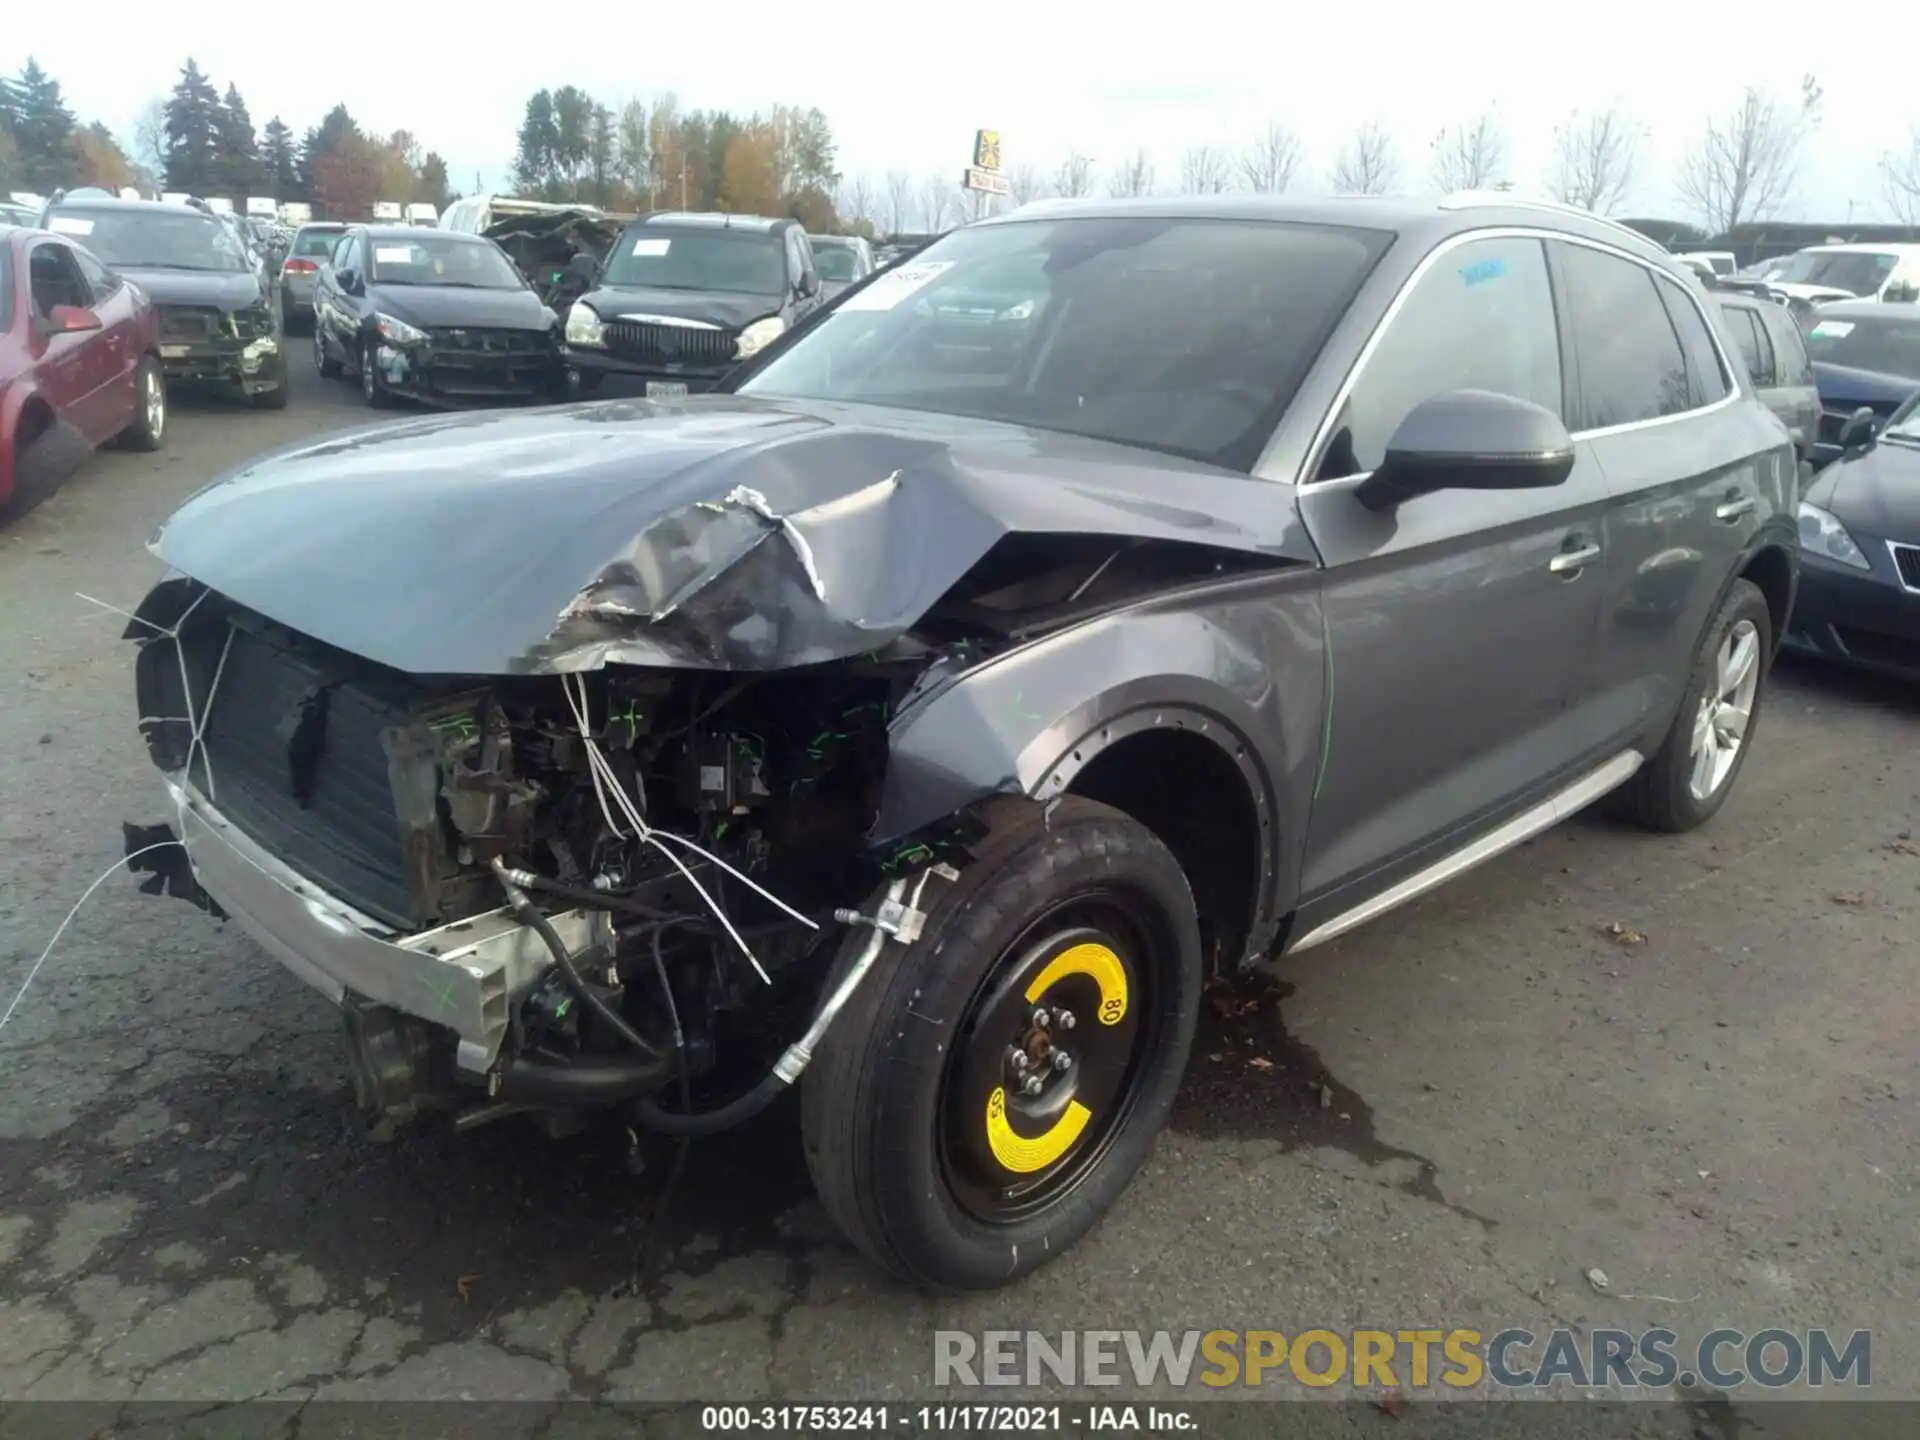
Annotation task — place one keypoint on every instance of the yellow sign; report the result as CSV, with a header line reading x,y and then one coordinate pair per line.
x,y
986,150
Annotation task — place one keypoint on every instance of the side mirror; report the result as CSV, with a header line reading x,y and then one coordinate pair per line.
x,y
1902,292
1470,440
1856,436
69,320
585,266
809,285
347,280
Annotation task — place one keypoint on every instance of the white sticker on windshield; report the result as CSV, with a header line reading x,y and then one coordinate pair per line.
x,y
895,285
393,254
1831,330
70,225
653,245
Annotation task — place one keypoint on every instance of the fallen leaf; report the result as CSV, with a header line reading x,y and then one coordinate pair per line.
x,y
1597,1278
1248,1007
1326,1097
1392,1403
464,1286
1904,847
1260,1062
1850,897
1222,1004
1216,1058
1622,934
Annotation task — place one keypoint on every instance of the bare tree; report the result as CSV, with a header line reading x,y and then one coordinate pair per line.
x,y
1900,180
936,202
1596,157
1025,183
1134,177
1268,164
1205,170
899,200
1746,164
1074,178
150,139
1470,155
1368,163
855,201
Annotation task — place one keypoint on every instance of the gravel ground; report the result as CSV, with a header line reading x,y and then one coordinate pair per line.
x,y
1467,1105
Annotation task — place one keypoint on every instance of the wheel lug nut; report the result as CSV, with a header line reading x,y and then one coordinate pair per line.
x,y
1020,1061
1062,1060
1040,1018
1032,1087
1065,1017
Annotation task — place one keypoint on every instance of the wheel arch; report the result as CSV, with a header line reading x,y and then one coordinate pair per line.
x,y
1773,567
1176,693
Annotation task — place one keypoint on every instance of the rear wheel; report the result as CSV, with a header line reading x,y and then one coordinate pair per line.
x,y
1692,773
148,428
992,1089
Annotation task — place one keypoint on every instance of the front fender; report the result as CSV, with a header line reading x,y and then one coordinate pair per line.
x,y
1241,667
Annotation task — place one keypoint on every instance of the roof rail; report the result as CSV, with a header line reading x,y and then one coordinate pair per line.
x,y
1463,199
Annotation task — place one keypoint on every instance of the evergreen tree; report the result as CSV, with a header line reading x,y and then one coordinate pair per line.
x,y
278,160
334,131
42,128
534,160
236,163
435,188
193,132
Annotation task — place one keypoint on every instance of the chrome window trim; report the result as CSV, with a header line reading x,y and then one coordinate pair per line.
x,y
1323,432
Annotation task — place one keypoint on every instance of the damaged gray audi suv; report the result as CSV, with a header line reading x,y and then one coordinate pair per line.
x,y
1110,596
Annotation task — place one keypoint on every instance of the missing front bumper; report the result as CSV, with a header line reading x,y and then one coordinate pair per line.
x,y
461,977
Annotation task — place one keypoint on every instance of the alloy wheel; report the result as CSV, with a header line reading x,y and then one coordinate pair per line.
x,y
1720,726
153,402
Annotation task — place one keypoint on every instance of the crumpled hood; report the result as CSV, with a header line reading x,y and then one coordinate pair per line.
x,y
720,532
226,289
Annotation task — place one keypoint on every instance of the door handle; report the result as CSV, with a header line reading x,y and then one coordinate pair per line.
x,y
1569,561
1733,509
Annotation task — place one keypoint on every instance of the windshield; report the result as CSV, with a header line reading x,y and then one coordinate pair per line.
x,y
1890,346
1858,272
1187,336
437,259
836,262
657,257
316,244
153,239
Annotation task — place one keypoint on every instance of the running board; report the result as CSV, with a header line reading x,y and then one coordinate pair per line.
x,y
1560,805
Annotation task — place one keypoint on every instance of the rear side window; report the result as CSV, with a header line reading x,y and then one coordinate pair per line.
x,y
1791,365
1708,376
1481,318
1631,365
1745,338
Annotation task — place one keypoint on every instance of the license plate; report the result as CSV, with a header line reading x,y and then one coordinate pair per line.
x,y
174,352
666,389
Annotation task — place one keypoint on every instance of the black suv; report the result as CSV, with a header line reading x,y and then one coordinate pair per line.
x,y
218,320
681,298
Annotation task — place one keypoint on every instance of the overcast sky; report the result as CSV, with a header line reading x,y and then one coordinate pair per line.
x,y
906,86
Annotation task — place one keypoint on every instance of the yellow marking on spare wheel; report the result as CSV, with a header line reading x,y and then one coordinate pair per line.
x,y
1096,961
1022,1155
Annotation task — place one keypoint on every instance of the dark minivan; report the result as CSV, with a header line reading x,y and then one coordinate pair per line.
x,y
681,298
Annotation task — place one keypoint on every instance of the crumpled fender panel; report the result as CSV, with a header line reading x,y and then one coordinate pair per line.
x,y
724,532
1241,665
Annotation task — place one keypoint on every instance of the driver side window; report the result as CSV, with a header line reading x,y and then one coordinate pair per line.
x,y
1480,318
56,279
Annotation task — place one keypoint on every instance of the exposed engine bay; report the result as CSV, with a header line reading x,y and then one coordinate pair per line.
x,y
714,826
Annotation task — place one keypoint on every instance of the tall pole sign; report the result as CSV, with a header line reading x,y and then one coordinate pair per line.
x,y
984,177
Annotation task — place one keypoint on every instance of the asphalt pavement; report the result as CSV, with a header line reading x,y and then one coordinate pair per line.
x,y
1688,1063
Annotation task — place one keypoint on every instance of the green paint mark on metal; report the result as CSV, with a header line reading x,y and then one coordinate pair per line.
x,y
463,724
633,718
445,993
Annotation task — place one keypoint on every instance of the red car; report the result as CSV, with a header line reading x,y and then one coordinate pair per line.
x,y
79,363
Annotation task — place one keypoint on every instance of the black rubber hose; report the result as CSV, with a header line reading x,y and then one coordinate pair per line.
x,y
647,1112
583,1086
530,916
599,899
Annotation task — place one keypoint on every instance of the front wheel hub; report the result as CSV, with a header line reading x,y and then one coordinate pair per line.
x,y
1045,1067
